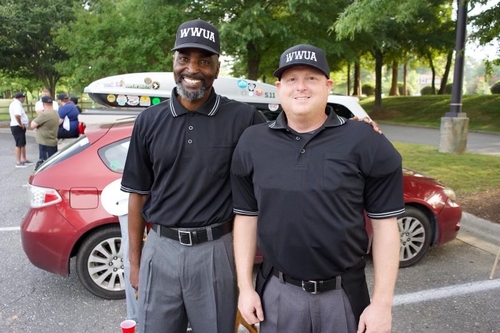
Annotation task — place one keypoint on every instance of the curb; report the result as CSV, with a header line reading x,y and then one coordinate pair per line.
x,y
480,233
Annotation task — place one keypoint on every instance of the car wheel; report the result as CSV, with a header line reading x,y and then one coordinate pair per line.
x,y
99,263
415,232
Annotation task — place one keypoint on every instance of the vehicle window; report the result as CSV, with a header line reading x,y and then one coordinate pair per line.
x,y
115,154
341,110
72,149
268,111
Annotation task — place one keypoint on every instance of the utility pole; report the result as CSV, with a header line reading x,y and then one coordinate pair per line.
x,y
455,124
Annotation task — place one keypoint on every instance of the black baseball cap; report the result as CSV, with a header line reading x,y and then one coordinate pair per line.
x,y
305,55
197,34
19,95
62,97
47,99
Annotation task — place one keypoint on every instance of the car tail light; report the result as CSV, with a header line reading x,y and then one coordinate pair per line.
x,y
43,196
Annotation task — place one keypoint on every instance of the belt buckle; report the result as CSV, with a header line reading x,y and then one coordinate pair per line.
x,y
314,283
183,234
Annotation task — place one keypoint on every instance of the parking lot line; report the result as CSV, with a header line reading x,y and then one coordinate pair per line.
x,y
450,291
10,229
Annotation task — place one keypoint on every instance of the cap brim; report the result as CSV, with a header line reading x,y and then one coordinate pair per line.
x,y
277,73
195,46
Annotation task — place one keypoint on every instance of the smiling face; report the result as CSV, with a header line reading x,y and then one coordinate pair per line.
x,y
303,92
194,72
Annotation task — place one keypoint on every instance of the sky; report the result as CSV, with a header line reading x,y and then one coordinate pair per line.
x,y
482,52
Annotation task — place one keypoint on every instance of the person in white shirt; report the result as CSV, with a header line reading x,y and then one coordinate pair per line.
x,y
18,124
115,202
39,104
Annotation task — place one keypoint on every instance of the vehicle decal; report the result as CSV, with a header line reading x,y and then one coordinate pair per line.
x,y
133,100
148,80
156,85
273,107
259,92
145,101
156,100
121,100
111,98
242,84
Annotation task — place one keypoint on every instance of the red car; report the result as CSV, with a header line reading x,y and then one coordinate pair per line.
x,y
66,218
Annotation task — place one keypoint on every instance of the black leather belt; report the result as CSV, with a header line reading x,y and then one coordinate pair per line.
x,y
190,237
311,286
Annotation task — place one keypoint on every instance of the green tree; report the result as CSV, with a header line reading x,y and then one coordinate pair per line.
x,y
27,48
120,36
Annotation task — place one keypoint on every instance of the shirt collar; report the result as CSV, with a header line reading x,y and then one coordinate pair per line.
x,y
333,120
209,108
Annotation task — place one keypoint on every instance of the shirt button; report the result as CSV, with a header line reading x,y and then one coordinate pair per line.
x,y
191,114
190,128
297,138
302,151
190,141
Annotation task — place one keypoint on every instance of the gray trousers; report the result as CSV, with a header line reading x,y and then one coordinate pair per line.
x,y
180,283
289,309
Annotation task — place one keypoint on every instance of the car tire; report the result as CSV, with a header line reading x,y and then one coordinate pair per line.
x,y
99,263
415,233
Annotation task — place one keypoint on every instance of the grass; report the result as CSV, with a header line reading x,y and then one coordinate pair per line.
x,y
483,111
466,174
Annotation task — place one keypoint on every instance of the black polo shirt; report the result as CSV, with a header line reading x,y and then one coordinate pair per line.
x,y
310,192
181,159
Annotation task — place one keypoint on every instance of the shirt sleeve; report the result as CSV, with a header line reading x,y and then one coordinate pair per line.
x,y
244,201
384,182
138,171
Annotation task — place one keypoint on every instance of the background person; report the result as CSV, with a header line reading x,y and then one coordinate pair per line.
x,y
74,100
302,184
39,103
67,128
177,174
47,126
18,123
115,202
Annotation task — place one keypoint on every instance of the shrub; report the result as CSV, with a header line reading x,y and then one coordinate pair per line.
x,y
408,90
426,91
368,89
495,88
448,89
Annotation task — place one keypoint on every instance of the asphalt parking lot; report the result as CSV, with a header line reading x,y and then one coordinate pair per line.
x,y
448,291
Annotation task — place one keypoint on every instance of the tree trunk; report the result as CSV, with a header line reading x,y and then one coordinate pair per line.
x,y
444,80
348,90
405,77
379,62
253,61
357,79
394,83
433,69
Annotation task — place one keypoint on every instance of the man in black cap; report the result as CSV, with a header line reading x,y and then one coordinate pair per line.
x,y
18,123
177,174
301,186
47,126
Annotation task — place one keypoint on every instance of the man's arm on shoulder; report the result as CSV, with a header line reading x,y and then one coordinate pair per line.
x,y
385,253
370,122
245,246
136,225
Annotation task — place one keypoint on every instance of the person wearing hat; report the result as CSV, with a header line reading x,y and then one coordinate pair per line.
x,y
301,186
68,118
18,124
47,126
177,174
39,103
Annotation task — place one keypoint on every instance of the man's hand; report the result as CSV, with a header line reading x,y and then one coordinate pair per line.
x,y
370,122
134,276
375,319
250,306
